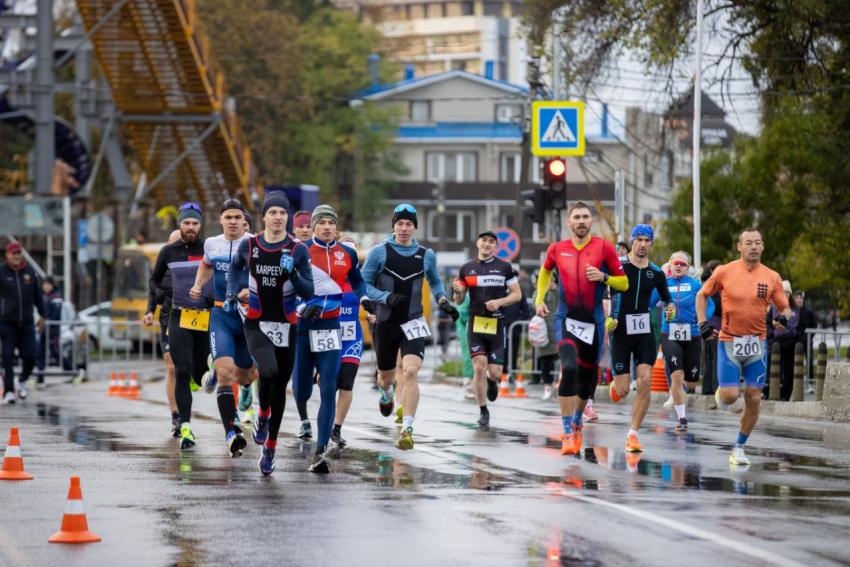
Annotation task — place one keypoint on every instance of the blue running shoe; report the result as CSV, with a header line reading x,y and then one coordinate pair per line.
x,y
235,444
260,430
209,382
246,398
266,462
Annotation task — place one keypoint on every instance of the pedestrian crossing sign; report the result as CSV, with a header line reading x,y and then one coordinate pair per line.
x,y
557,128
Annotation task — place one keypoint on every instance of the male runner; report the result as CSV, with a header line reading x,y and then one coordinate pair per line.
x,y
163,299
302,227
393,273
233,363
278,270
632,332
680,338
746,288
586,264
492,284
189,320
319,337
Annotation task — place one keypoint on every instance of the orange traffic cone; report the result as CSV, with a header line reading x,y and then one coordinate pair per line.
x,y
504,387
13,463
75,527
133,392
122,386
659,377
113,386
519,391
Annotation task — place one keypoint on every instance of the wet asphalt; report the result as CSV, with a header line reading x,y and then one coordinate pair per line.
x,y
463,496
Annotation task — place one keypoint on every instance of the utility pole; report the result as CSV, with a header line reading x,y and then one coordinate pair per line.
x,y
697,138
440,191
45,142
525,156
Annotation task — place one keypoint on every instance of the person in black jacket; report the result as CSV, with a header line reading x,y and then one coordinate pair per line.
x,y
19,294
48,338
808,320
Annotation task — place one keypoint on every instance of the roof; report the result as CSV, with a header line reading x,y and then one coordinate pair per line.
x,y
384,91
683,107
505,131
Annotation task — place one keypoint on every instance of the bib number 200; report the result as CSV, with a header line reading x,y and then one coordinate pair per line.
x,y
749,345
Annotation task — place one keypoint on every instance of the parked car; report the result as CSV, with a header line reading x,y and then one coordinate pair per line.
x,y
103,335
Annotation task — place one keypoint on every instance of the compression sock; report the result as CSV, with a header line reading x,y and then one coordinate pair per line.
x,y
267,413
483,409
568,424
271,444
633,432
680,411
226,407
387,395
742,440
302,410
175,415
336,430
577,416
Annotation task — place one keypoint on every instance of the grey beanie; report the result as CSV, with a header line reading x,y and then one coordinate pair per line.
x,y
324,212
275,199
188,213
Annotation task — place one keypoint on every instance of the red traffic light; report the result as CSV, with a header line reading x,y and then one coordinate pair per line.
x,y
557,167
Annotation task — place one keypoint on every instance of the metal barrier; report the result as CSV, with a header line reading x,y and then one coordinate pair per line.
x,y
523,339
834,336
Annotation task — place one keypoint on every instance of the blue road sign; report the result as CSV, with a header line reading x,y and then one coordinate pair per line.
x,y
82,233
557,128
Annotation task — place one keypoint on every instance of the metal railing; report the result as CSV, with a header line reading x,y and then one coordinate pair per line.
x,y
523,350
835,336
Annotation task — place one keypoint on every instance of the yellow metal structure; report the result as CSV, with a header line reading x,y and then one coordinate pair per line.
x,y
165,79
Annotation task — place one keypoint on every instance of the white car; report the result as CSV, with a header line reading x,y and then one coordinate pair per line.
x,y
102,336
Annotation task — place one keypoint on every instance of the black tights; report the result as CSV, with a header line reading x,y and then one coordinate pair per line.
x,y
189,351
275,367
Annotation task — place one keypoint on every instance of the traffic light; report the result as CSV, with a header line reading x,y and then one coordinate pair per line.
x,y
537,211
555,180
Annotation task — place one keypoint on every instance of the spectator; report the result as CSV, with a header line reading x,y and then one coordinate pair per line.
x,y
834,319
467,371
808,320
49,335
709,368
19,295
622,248
525,283
787,340
546,356
519,311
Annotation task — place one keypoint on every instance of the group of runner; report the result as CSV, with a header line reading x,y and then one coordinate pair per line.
x,y
272,306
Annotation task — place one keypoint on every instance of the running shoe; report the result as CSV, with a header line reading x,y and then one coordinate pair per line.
x,y
175,427
738,457
615,397
484,419
236,444
320,464
720,404
633,445
249,415
193,385
266,463
187,441
246,398
547,393
590,415
209,382
577,436
568,444
632,462
385,407
306,431
669,403
405,440
492,390
9,398
336,437
22,390
682,426
260,430
399,414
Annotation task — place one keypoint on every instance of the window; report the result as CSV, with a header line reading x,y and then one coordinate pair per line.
x,y
467,8
456,167
460,226
647,218
511,164
510,113
664,172
647,173
420,110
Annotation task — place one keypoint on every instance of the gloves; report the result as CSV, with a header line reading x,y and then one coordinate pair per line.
x,y
311,313
706,330
231,304
287,263
672,313
782,320
396,299
369,306
610,323
449,310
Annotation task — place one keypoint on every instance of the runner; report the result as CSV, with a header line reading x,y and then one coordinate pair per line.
x,y
188,324
302,227
319,337
586,264
278,268
231,359
631,330
680,339
393,273
747,287
352,350
492,284
163,299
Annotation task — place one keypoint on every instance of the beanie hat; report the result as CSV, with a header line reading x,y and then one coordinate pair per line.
x,y
642,230
405,212
324,212
234,204
275,199
189,212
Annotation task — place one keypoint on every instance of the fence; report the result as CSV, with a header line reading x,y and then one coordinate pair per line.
x,y
834,336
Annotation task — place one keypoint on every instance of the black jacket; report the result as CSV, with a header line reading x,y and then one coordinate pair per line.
x,y
19,293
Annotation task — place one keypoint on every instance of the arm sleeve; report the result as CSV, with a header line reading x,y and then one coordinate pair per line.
x,y
355,278
662,289
709,308
304,284
616,296
158,272
617,279
545,277
237,264
433,275
151,302
374,265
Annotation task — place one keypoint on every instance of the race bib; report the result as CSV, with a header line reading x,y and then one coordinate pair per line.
x,y
324,340
416,329
637,324
485,325
680,332
749,345
582,331
194,320
278,333
348,330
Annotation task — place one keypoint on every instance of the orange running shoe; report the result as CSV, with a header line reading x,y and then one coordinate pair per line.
x,y
577,436
633,445
614,396
568,444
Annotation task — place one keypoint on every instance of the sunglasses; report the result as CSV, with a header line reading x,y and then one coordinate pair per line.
x,y
678,263
405,207
195,206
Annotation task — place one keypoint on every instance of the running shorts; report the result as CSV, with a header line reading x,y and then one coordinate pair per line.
x,y
731,368
227,338
492,346
624,346
389,338
682,355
